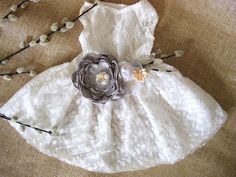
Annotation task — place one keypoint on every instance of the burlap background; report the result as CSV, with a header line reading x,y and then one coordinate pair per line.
x,y
206,30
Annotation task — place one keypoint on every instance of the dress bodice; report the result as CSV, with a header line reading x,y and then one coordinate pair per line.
x,y
124,31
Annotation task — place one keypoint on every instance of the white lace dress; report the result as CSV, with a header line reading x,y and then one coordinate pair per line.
x,y
159,121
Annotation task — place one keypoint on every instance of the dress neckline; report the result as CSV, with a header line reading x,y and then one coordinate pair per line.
x,y
119,7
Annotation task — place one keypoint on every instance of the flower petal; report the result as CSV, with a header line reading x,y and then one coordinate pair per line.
x,y
103,66
93,69
85,92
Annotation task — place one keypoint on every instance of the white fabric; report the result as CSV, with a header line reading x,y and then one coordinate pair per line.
x,y
159,121
126,32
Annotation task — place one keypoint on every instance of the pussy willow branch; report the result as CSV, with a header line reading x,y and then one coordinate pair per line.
x,y
164,57
50,33
11,12
15,73
26,125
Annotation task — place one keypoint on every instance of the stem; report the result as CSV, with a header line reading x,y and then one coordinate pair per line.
x,y
17,7
163,58
168,56
12,74
27,125
50,33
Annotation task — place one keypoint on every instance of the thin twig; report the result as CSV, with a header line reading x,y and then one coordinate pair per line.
x,y
50,33
26,125
17,7
15,73
164,57
168,56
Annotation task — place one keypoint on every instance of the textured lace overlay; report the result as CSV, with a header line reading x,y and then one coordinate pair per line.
x,y
159,121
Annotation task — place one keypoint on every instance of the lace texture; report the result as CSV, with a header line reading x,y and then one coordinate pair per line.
x,y
159,121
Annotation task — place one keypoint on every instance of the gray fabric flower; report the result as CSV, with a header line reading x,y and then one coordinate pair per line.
x,y
98,78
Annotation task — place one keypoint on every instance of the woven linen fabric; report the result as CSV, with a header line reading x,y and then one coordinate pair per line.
x,y
221,149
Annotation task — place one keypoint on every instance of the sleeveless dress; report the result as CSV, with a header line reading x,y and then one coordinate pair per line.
x,y
159,121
